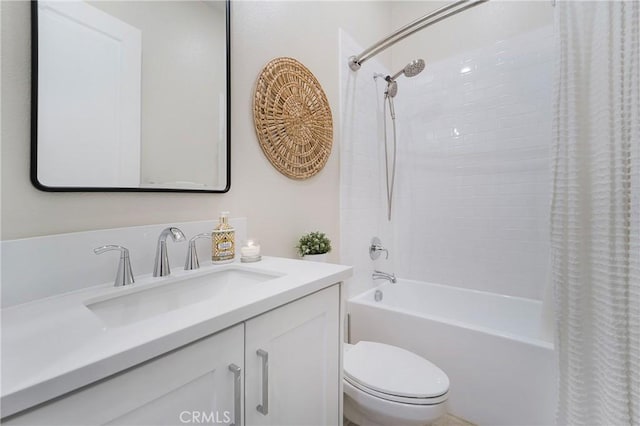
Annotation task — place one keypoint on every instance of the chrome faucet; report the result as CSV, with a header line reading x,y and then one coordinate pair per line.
x,y
161,267
379,275
125,274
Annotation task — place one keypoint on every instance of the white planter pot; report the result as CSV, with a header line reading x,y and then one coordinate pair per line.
x,y
316,257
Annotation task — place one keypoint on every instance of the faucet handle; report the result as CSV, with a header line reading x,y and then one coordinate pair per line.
x,y
376,247
192,255
124,276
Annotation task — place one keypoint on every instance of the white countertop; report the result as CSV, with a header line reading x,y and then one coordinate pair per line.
x,y
55,345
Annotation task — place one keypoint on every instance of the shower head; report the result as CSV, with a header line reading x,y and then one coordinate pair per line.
x,y
412,69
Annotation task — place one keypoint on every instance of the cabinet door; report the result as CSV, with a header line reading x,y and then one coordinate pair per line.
x,y
193,384
292,363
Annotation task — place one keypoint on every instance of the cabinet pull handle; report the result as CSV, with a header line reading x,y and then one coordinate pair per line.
x,y
237,395
264,407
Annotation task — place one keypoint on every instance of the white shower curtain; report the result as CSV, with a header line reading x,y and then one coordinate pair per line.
x,y
595,212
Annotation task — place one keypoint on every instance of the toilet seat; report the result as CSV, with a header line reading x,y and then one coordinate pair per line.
x,y
395,398
394,374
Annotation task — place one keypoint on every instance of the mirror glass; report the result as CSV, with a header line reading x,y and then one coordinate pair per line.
x,y
130,96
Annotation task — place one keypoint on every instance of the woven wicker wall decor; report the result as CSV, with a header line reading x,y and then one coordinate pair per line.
x,y
292,118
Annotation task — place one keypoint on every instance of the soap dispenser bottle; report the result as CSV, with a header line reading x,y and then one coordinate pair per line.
x,y
223,238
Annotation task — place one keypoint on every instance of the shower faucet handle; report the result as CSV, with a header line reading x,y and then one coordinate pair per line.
x,y
376,247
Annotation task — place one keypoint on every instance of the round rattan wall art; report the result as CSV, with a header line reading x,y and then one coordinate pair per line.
x,y
292,118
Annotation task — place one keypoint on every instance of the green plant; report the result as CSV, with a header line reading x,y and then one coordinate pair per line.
x,y
313,243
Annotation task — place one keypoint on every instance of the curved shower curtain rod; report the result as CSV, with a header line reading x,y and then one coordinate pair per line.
x,y
355,62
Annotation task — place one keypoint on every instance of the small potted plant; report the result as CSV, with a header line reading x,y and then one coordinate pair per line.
x,y
314,246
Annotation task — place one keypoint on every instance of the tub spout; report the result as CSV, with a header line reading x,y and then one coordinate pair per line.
x,y
379,275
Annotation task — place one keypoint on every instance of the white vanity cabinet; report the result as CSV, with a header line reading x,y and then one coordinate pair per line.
x,y
292,363
194,380
285,360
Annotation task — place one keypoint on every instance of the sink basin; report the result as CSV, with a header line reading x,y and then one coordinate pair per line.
x,y
161,298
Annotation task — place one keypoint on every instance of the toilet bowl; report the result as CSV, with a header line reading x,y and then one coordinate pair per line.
x,y
389,386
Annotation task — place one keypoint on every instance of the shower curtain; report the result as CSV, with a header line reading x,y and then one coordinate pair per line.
x,y
595,211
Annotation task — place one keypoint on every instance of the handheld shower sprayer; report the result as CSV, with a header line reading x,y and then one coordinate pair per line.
x,y
412,69
392,88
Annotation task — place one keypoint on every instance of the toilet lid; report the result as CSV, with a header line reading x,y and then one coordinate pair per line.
x,y
394,371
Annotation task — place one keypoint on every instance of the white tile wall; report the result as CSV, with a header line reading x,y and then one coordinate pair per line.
x,y
472,190
361,163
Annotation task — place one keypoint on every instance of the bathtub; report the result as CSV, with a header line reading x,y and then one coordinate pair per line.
x,y
500,362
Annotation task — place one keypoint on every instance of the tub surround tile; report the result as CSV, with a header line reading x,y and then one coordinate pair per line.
x,y
472,183
361,157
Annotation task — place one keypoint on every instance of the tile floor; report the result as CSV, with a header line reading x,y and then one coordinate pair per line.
x,y
448,420
451,420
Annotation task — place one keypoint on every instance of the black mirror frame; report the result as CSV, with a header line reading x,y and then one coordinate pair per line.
x,y
34,119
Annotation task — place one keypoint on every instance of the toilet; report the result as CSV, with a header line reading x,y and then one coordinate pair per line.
x,y
389,386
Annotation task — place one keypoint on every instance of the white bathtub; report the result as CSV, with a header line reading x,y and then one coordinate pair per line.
x,y
493,348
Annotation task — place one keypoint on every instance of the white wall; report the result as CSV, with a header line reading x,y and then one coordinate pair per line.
x,y
278,209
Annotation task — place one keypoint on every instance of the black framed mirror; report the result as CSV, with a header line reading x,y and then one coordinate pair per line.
x,y
131,96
